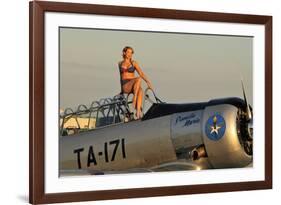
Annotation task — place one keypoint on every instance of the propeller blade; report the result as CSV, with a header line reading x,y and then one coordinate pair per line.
x,y
248,111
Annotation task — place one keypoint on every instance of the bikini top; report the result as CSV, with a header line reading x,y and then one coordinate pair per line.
x,y
131,69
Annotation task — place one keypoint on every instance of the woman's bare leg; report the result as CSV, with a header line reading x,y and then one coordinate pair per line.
x,y
134,85
139,102
136,88
127,88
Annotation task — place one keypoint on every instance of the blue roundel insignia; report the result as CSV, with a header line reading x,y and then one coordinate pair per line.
x,y
215,127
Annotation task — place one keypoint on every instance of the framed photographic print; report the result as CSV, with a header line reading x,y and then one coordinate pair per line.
x,y
137,102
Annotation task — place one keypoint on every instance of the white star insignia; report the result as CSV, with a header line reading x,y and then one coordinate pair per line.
x,y
216,130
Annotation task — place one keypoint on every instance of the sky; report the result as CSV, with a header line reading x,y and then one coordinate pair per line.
x,y
182,67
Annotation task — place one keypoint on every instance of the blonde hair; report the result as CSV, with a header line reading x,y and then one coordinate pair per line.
x,y
125,49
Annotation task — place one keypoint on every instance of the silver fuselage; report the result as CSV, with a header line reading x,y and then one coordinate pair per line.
x,y
150,144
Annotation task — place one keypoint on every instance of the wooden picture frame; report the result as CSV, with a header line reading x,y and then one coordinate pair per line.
x,y
37,10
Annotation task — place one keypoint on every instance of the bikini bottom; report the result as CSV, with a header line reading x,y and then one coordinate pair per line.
x,y
124,81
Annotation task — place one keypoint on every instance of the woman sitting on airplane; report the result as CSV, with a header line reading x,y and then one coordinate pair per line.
x,y
130,83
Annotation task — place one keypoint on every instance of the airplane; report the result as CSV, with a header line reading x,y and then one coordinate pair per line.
x,y
169,137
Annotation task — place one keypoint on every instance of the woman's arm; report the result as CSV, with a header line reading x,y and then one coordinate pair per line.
x,y
141,73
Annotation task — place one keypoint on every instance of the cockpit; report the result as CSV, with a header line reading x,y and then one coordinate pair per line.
x,y
101,113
